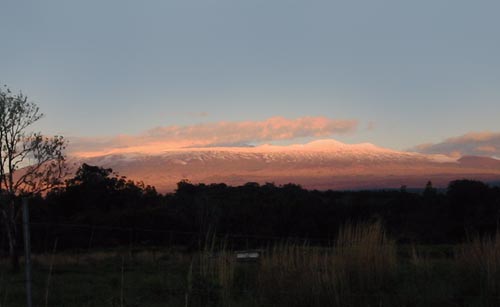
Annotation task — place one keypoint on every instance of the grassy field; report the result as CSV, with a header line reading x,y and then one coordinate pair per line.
x,y
363,267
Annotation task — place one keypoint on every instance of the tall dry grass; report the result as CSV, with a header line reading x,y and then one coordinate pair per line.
x,y
353,270
211,276
367,254
479,259
218,266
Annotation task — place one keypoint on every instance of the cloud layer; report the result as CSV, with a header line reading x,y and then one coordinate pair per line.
x,y
213,134
474,143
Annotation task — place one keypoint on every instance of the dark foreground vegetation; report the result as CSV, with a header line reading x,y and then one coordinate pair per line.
x,y
362,267
103,240
115,211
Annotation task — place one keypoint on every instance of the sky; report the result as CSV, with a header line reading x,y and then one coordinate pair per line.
x,y
421,75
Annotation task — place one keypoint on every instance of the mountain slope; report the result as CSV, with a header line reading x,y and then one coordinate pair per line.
x,y
321,164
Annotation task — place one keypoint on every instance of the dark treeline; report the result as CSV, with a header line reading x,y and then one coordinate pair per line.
x,y
98,208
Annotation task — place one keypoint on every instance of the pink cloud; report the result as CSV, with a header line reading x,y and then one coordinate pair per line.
x,y
487,149
224,133
473,143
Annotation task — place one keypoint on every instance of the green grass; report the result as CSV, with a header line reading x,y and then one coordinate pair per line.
x,y
97,281
363,267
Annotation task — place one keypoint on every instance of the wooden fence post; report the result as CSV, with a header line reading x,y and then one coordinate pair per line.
x,y
27,251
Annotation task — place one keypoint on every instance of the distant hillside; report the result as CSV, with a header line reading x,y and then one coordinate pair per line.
x,y
325,164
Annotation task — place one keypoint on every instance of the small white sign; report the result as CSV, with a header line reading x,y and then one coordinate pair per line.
x,y
247,255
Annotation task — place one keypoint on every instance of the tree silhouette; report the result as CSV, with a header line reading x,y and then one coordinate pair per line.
x,y
29,162
429,191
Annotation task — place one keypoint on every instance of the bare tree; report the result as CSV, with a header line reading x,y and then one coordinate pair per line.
x,y
29,162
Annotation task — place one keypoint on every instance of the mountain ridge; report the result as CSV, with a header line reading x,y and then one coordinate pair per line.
x,y
322,164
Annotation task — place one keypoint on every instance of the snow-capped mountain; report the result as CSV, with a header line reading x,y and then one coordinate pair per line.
x,y
320,164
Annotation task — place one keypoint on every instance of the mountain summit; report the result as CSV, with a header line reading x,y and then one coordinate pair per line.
x,y
322,164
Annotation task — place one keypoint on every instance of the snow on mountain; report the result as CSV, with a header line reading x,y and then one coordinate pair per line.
x,y
320,164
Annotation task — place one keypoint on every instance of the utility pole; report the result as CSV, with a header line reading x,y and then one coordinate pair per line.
x,y
27,251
